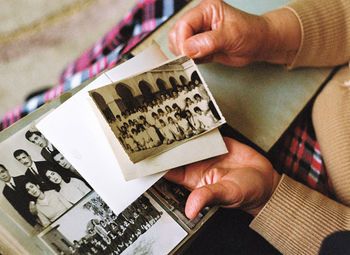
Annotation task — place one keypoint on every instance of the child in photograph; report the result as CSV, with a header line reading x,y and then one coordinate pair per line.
x,y
191,120
166,133
192,89
189,104
72,189
180,91
147,138
130,143
198,121
175,129
161,115
155,120
152,132
169,112
168,99
178,110
178,100
202,120
135,146
184,125
49,204
139,138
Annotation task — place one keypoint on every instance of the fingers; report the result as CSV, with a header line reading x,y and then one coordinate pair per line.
x,y
221,193
203,44
189,24
176,175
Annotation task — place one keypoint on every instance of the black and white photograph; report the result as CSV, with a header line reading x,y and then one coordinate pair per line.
x,y
174,197
97,230
37,183
159,109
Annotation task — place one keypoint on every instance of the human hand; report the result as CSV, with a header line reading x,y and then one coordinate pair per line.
x,y
32,208
215,31
242,178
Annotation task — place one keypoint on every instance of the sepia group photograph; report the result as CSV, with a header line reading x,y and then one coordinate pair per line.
x,y
38,185
159,109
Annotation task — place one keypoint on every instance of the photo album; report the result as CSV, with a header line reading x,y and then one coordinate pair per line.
x,y
83,173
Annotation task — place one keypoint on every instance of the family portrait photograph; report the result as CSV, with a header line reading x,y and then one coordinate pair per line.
x,y
38,185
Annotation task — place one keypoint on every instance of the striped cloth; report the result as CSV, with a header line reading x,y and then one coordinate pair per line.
x,y
297,153
144,18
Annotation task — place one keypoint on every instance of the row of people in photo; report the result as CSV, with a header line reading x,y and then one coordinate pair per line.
x,y
46,189
165,128
184,98
114,235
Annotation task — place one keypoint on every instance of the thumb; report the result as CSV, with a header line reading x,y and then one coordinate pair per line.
x,y
221,193
203,44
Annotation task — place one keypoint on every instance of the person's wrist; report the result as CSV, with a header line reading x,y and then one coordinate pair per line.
x,y
283,36
276,177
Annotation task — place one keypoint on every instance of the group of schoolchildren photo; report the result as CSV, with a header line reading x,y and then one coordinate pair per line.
x,y
112,234
172,115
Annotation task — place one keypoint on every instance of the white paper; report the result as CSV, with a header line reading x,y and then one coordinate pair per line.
x,y
74,131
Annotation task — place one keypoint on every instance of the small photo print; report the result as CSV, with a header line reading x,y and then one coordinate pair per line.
x,y
174,198
92,228
159,109
38,185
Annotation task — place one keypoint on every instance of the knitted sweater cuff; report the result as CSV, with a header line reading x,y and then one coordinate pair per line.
x,y
296,219
324,25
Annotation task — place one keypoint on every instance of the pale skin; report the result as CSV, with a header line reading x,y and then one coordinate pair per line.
x,y
215,31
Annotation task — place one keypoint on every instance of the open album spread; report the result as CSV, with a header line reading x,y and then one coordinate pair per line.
x,y
84,176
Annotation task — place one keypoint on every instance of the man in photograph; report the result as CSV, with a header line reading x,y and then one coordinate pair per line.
x,y
46,147
15,194
36,169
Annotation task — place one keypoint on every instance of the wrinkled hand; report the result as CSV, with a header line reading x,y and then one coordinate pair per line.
x,y
242,178
32,208
215,31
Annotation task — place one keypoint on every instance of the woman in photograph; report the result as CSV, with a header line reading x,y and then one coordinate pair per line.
x,y
139,138
175,129
147,138
196,129
201,122
166,133
189,104
152,132
72,189
49,204
184,125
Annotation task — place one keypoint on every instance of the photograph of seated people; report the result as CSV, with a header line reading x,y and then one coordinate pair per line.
x,y
169,117
294,218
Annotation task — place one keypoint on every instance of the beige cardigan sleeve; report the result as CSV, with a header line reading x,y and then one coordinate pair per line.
x,y
296,219
325,27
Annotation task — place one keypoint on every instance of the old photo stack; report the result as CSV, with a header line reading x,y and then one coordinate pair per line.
x,y
158,110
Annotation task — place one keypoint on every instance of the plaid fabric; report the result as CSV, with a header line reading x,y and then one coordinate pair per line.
x,y
297,153
144,18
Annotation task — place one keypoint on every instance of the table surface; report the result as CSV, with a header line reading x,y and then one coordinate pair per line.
x,y
259,100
